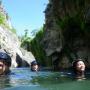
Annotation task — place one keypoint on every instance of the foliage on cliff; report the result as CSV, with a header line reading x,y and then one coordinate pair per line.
x,y
25,41
35,46
73,20
2,18
4,23
37,49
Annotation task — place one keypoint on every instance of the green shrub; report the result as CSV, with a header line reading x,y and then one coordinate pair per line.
x,y
2,19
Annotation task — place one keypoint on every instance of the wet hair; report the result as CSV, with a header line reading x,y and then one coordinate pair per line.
x,y
5,58
74,64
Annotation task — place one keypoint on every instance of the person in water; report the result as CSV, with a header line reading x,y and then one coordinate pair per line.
x,y
34,66
5,63
79,68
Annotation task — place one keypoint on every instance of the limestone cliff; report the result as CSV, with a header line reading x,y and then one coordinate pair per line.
x,y
9,42
67,34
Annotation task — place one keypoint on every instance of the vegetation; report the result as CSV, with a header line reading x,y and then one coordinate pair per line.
x,y
2,19
25,41
37,49
34,46
5,24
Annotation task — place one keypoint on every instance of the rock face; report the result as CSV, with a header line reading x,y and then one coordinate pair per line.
x,y
9,43
52,40
66,42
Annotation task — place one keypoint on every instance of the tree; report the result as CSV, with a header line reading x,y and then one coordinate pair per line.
x,y
25,40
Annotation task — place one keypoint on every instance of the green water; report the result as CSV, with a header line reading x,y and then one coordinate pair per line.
x,y
24,79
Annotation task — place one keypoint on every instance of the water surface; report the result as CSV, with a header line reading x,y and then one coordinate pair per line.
x,y
24,79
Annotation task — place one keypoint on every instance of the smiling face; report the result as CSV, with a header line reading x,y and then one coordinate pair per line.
x,y
34,67
80,66
4,68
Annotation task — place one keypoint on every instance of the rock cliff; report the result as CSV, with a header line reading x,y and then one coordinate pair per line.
x,y
67,34
10,43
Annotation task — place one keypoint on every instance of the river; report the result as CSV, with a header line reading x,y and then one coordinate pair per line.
x,y
24,79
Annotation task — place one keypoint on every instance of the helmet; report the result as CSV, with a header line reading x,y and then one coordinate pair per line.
x,y
34,63
5,57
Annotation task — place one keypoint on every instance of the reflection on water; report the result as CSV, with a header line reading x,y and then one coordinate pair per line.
x,y
23,78
4,82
